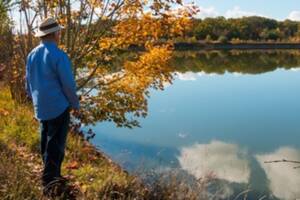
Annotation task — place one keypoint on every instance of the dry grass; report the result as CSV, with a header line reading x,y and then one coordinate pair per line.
x,y
87,168
15,181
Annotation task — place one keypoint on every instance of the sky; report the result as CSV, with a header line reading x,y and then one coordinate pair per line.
x,y
276,9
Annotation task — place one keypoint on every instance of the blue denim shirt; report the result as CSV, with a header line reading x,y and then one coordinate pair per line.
x,y
49,81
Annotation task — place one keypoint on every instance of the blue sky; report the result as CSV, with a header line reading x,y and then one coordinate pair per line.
x,y
276,9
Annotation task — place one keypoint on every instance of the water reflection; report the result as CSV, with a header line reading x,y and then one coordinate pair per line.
x,y
244,62
227,161
217,97
192,76
284,180
187,76
295,69
230,163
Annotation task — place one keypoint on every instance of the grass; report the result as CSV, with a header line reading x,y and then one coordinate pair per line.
x,y
15,182
92,171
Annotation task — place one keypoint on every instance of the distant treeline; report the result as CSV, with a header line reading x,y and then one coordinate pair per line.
x,y
244,29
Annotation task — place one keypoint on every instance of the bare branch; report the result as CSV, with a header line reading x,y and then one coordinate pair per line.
x,y
283,160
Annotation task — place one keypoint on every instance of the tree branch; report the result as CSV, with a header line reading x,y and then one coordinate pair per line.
x,y
285,161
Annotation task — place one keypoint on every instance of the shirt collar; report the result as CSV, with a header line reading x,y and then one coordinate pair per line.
x,y
47,42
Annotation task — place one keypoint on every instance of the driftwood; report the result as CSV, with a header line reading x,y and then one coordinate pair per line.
x,y
285,161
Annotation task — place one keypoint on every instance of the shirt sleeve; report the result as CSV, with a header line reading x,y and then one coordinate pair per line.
x,y
64,71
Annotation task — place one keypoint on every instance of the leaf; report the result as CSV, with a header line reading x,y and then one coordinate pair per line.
x,y
3,112
72,165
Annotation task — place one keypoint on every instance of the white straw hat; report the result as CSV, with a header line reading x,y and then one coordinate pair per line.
x,y
49,25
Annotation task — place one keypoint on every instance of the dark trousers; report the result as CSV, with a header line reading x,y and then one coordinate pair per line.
x,y
53,141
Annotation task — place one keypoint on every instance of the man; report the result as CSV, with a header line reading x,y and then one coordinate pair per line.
x,y
51,86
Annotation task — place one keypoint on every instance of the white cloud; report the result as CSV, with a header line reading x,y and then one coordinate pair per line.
x,y
294,15
224,160
295,69
200,73
284,179
236,12
192,76
182,135
237,74
206,74
166,84
188,76
207,12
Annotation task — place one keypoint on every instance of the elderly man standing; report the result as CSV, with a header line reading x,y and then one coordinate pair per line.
x,y
51,86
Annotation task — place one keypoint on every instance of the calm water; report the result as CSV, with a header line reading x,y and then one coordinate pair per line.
x,y
225,113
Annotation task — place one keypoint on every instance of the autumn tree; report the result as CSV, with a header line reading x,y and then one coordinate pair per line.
x,y
5,38
96,36
246,28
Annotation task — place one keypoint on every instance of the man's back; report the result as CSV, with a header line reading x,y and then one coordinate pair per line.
x,y
50,82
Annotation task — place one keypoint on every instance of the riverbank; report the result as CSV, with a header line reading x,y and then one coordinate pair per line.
x,y
92,174
183,46
208,46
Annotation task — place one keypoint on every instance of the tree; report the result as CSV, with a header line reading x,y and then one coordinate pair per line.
x,y
208,38
273,34
97,33
245,28
289,28
223,39
5,38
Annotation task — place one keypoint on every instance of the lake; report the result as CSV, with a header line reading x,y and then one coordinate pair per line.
x,y
226,113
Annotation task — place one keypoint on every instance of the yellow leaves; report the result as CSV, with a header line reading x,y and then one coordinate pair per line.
x,y
148,28
126,90
52,3
91,64
72,165
84,188
62,20
3,112
131,8
105,43
96,3
150,69
139,30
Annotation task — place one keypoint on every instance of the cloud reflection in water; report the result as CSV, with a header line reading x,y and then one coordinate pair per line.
x,y
284,179
225,160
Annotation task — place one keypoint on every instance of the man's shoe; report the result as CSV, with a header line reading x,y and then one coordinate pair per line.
x,y
55,188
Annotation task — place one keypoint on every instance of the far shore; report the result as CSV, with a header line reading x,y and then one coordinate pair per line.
x,y
231,46
195,46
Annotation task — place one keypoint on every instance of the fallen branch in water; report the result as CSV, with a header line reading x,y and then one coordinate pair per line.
x,y
286,161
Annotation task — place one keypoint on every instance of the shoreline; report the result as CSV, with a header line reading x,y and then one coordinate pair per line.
x,y
204,46
88,168
183,46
